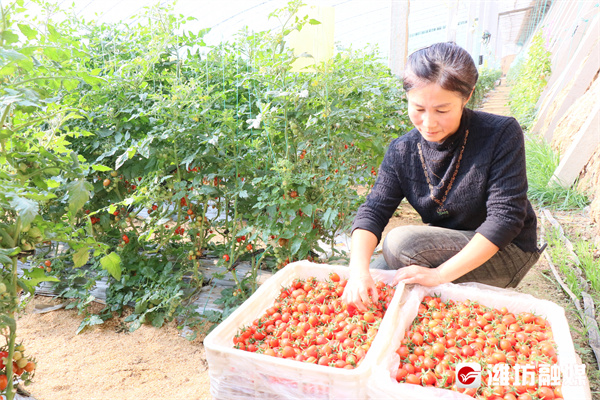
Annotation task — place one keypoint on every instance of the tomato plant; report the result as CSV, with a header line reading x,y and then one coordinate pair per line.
x,y
22,366
43,183
201,149
471,332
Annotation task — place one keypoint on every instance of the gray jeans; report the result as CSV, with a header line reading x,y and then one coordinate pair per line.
x,y
430,246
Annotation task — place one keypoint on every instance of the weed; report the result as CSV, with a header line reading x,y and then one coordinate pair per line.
x,y
542,161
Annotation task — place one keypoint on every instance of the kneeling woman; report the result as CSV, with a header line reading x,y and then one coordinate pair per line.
x,y
464,172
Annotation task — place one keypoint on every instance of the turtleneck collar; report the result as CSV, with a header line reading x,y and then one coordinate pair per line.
x,y
456,139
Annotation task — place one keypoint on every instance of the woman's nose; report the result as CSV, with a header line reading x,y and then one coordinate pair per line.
x,y
428,120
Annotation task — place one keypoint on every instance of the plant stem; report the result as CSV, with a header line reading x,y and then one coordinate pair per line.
x,y
11,316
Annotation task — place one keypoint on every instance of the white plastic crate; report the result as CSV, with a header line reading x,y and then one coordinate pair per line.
x,y
237,374
382,385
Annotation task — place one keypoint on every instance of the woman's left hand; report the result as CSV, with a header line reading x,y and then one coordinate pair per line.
x,y
417,274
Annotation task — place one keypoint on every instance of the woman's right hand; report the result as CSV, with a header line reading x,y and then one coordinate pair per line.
x,y
360,291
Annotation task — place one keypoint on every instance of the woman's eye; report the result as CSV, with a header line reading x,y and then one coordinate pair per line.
x,y
442,112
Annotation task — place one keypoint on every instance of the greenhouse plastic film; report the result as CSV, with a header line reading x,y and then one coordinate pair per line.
x,y
238,374
382,385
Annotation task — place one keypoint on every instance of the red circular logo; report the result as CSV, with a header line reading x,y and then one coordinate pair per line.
x,y
466,375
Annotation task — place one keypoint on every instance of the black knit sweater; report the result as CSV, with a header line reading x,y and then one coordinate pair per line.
x,y
489,193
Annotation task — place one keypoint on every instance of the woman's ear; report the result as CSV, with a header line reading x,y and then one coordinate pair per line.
x,y
469,98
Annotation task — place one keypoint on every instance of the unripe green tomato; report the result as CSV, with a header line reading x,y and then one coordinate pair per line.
x,y
2,288
22,362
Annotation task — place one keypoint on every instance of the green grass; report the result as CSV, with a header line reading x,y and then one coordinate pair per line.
x,y
563,261
589,266
542,161
584,250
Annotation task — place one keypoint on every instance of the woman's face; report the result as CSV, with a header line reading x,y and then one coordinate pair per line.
x,y
434,111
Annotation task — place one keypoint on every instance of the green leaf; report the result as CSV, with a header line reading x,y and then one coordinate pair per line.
x,y
135,325
207,190
307,209
313,21
296,243
40,183
101,168
5,320
27,31
122,158
90,79
12,55
25,208
6,254
51,183
79,194
81,257
70,84
90,320
272,211
13,251
328,217
158,320
34,277
53,34
9,37
112,263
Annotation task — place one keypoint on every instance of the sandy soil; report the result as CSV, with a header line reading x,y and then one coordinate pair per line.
x,y
103,362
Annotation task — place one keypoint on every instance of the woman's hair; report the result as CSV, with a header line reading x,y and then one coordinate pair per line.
x,y
446,64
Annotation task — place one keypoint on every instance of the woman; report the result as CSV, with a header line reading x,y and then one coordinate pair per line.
x,y
464,172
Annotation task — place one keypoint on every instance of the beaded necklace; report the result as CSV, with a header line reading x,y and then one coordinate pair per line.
x,y
441,210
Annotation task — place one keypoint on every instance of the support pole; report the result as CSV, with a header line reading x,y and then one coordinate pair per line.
x,y
399,36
